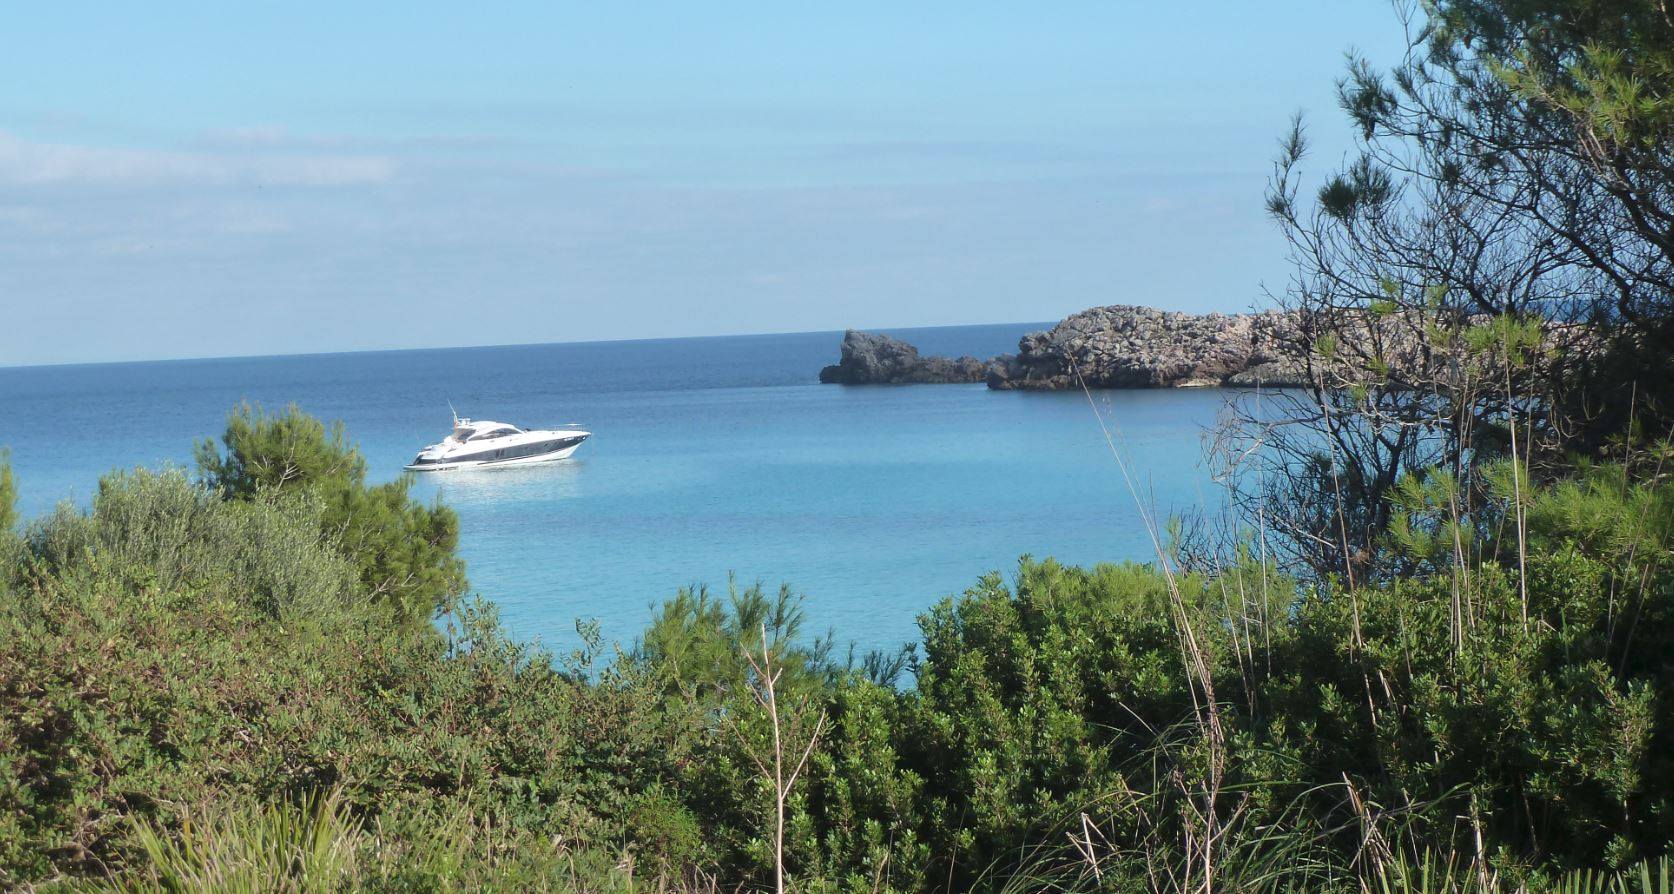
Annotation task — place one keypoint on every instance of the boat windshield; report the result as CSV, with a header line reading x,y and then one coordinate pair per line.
x,y
500,432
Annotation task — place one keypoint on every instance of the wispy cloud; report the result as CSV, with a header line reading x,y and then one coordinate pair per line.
x,y
30,162
277,139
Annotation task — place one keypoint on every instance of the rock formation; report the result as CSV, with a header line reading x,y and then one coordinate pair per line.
x,y
1123,346
872,359
1120,346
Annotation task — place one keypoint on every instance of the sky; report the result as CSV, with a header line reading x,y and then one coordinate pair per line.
x,y
214,179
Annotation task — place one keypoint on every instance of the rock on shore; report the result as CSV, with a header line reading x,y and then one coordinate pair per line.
x,y
1119,346
1125,346
872,359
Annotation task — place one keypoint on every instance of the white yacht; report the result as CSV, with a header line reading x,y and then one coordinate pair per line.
x,y
481,444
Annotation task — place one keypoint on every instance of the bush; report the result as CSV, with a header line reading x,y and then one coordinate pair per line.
x,y
403,551
8,496
169,650
169,534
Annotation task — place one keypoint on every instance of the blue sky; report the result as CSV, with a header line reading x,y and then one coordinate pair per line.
x,y
183,180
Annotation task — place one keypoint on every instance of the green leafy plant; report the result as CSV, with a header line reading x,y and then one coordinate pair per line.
x,y
404,551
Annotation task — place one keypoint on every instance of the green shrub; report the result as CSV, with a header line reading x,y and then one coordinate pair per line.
x,y
149,661
160,531
403,551
8,496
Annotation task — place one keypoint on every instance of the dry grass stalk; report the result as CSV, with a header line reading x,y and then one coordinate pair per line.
x,y
789,724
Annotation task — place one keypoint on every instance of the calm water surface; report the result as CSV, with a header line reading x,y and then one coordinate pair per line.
x,y
710,457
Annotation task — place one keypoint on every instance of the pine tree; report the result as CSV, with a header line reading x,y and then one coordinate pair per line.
x,y
403,550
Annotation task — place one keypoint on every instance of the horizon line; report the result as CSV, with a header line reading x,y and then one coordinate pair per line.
x,y
61,364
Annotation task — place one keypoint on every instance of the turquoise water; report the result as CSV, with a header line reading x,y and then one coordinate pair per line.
x,y
710,457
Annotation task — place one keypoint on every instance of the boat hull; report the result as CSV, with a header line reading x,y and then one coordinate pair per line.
x,y
456,465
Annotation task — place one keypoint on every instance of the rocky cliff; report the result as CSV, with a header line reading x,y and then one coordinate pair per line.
x,y
1125,346
872,359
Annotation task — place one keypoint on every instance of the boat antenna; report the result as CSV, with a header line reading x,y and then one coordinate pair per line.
x,y
454,413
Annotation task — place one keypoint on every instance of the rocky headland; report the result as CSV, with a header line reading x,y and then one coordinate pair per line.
x,y
869,358
1126,346
1119,346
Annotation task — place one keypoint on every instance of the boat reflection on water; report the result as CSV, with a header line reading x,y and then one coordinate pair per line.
x,y
502,485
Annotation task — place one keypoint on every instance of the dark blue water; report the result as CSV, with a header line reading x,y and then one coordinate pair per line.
x,y
710,457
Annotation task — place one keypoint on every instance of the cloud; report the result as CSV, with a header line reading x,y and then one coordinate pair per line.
x,y
277,139
263,136
26,162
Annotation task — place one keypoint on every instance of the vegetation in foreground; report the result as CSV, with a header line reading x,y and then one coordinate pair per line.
x,y
266,678
205,688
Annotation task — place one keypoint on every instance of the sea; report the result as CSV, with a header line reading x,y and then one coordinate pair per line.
x,y
714,462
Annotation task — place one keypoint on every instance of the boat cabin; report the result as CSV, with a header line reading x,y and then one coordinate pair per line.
x,y
466,430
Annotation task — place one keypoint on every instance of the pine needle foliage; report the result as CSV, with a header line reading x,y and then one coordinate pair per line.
x,y
404,551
